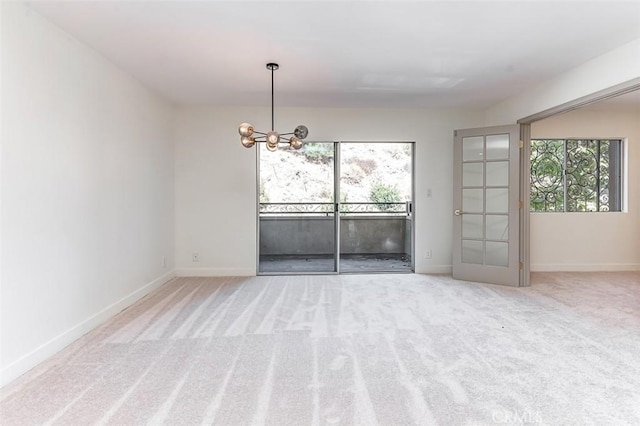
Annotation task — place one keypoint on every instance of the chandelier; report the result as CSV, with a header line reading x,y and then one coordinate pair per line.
x,y
272,138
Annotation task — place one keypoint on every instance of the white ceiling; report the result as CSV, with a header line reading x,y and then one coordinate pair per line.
x,y
346,53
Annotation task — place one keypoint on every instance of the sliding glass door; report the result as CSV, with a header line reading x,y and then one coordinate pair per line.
x,y
376,207
296,217
301,193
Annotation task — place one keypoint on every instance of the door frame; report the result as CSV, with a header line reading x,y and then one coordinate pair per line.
x,y
525,159
336,210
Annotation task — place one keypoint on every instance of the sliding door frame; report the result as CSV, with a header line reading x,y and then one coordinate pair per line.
x,y
412,144
336,204
336,219
336,210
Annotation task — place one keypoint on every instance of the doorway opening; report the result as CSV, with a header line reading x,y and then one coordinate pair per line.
x,y
611,93
336,207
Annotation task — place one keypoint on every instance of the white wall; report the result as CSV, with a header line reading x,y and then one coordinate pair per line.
x,y
617,66
87,190
591,241
215,177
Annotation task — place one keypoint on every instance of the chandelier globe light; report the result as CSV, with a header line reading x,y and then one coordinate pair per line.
x,y
272,138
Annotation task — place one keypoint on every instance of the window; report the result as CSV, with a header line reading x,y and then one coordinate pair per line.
x,y
576,175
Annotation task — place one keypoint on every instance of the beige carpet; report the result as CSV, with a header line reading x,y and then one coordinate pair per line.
x,y
376,349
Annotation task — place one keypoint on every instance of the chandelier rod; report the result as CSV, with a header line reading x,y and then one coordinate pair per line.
x,y
272,108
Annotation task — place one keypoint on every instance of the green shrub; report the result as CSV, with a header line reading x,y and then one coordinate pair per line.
x,y
318,152
384,195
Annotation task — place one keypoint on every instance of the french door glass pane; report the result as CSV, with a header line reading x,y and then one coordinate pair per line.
x,y
472,148
498,173
472,251
497,227
472,226
497,200
497,254
472,200
498,147
472,174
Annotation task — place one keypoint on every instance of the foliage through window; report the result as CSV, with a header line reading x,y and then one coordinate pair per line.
x,y
576,175
384,196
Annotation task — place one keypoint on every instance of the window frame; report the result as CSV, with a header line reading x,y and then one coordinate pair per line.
x,y
619,168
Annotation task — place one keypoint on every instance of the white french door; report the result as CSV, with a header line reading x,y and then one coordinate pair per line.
x,y
486,210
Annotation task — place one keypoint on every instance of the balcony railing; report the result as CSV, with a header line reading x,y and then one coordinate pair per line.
x,y
327,209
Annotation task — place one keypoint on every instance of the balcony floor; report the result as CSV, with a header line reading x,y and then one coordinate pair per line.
x,y
352,263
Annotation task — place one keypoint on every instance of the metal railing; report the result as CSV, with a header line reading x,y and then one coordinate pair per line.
x,y
328,209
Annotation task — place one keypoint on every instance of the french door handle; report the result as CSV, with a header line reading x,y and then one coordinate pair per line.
x,y
458,212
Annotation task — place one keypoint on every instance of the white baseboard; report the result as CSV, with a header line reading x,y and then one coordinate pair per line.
x,y
435,269
586,267
233,272
59,342
215,272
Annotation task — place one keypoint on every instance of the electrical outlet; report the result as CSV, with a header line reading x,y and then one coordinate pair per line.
x,y
195,257
428,254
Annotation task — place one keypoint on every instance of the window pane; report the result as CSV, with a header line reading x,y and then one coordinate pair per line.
x,y
314,161
547,187
603,173
374,177
611,192
591,180
582,175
